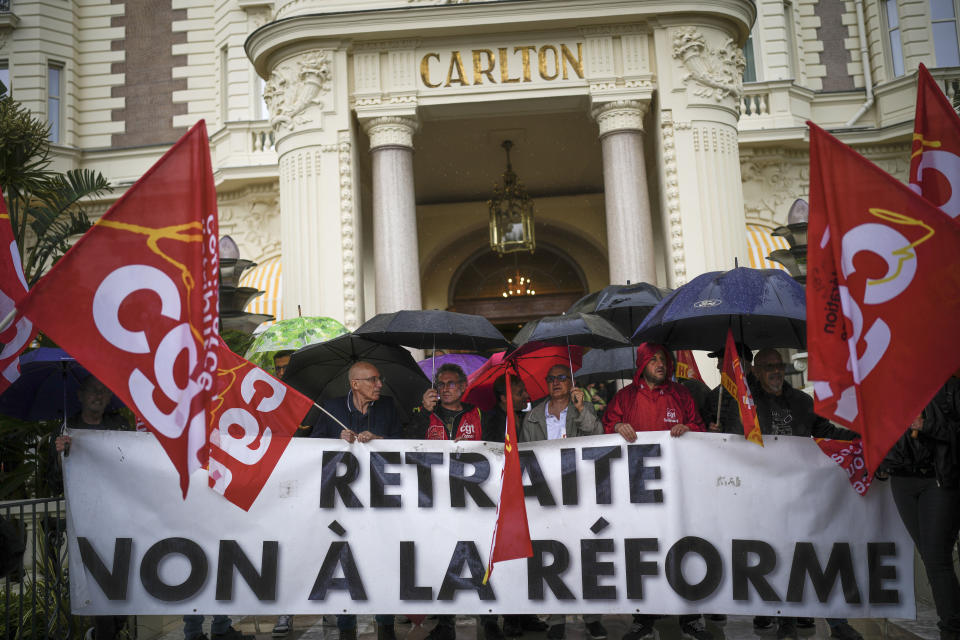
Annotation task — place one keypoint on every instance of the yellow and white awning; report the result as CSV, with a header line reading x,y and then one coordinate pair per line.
x,y
268,277
762,243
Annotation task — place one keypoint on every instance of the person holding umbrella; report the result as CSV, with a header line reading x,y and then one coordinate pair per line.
x,y
360,416
654,402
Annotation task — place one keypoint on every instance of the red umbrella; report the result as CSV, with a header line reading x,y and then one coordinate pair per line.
x,y
530,362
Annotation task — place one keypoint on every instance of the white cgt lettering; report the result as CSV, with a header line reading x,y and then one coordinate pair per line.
x,y
115,288
238,448
948,165
170,424
889,244
269,403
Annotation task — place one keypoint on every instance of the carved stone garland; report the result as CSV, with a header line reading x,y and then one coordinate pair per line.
x,y
718,71
672,191
293,87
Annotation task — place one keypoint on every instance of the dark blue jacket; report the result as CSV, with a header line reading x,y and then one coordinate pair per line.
x,y
381,419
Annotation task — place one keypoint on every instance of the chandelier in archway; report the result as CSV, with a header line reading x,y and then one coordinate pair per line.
x,y
518,285
511,213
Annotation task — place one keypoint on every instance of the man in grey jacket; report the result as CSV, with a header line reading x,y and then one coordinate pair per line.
x,y
564,414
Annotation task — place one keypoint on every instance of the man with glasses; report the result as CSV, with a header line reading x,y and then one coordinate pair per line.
x,y
361,416
654,402
566,413
444,416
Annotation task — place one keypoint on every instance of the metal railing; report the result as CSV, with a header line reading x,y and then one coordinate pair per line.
x,y
35,598
5,6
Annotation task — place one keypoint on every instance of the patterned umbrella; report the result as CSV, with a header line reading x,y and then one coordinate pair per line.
x,y
292,334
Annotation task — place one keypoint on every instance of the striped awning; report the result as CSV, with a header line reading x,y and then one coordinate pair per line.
x,y
761,244
268,277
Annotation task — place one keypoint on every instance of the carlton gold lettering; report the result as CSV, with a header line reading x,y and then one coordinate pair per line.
x,y
505,67
493,66
542,62
568,57
456,63
480,69
525,60
425,70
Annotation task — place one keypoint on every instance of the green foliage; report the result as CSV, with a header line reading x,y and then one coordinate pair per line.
x,y
25,450
45,206
238,341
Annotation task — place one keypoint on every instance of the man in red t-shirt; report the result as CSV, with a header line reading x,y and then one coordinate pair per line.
x,y
654,402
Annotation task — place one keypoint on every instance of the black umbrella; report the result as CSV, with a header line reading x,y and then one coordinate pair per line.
x,y
763,307
319,371
433,329
624,305
584,329
600,365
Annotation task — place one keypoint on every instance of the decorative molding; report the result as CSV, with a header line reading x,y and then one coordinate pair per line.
x,y
771,184
719,72
381,46
438,1
620,115
390,131
347,227
251,216
258,16
672,193
294,86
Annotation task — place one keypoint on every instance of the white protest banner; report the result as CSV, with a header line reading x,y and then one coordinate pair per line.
x,y
701,523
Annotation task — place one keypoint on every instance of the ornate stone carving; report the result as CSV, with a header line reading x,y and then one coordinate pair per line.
x,y
719,72
251,216
672,193
771,182
295,86
257,17
390,131
347,226
620,115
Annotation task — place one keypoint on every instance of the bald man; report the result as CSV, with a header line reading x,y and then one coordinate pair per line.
x,y
363,414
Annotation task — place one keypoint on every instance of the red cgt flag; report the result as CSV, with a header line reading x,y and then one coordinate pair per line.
x,y
935,155
253,417
733,380
883,295
135,300
687,368
511,533
13,287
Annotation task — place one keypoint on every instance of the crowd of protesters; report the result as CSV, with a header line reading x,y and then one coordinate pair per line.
x,y
924,465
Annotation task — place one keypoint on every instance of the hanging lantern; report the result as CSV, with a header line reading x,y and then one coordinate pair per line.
x,y
511,213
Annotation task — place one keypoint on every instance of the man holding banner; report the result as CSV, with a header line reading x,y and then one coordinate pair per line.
x,y
653,402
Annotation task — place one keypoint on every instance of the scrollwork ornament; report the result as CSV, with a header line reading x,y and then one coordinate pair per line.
x,y
718,71
294,87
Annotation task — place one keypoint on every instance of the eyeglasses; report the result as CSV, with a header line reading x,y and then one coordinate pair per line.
x,y
560,378
371,379
452,384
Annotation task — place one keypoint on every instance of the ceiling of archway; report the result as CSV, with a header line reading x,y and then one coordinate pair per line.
x,y
458,157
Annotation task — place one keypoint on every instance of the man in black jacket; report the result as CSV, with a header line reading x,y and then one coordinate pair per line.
x,y
363,416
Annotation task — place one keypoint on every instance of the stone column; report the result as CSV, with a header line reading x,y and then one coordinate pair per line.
x,y
319,223
396,261
629,225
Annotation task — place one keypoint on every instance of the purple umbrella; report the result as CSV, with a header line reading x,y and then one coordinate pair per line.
x,y
466,361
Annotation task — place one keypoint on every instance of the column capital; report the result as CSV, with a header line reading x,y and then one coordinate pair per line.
x,y
620,115
390,131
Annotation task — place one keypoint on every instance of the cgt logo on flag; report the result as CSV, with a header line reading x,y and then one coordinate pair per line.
x,y
894,272
141,288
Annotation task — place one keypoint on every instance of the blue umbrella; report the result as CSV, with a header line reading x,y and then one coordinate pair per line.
x,y
47,387
763,307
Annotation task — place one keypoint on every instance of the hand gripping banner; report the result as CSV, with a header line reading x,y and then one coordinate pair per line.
x,y
135,301
883,295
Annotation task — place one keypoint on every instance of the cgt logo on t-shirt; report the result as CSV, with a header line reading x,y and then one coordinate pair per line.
x,y
671,416
467,431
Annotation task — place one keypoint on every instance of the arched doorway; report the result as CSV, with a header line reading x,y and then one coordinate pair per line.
x,y
490,286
